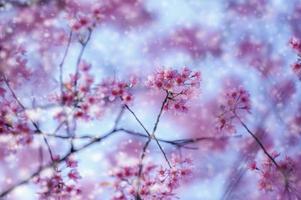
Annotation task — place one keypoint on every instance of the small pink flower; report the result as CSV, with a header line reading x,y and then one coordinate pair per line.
x,y
70,162
296,67
84,66
278,179
74,175
112,90
235,104
253,165
55,187
81,22
295,44
181,86
157,182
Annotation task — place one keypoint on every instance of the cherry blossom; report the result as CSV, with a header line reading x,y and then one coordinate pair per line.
x,y
54,187
112,90
180,86
156,181
281,180
295,44
235,104
296,67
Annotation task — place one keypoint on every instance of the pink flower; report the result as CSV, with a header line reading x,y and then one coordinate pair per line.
x,y
156,182
180,85
55,187
111,90
81,23
84,66
235,105
253,165
74,175
296,67
295,44
70,162
280,181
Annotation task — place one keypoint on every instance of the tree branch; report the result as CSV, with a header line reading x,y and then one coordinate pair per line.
x,y
38,130
62,64
52,164
258,142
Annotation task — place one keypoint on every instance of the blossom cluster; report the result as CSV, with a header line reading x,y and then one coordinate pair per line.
x,y
86,21
296,67
14,129
235,104
281,180
155,182
77,94
112,89
15,62
57,187
295,44
180,86
89,99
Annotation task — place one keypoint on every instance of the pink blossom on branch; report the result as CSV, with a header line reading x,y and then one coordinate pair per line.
x,y
180,86
55,187
296,67
111,90
295,44
235,104
15,131
156,181
282,181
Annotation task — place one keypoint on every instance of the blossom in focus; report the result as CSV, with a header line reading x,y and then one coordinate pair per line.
x,y
180,86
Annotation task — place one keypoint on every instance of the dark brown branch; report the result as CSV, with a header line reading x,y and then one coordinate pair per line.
x,y
258,142
181,143
153,136
156,126
41,160
160,113
137,119
141,168
118,118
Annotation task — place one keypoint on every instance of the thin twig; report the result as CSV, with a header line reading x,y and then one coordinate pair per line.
x,y
141,168
62,64
137,119
84,45
51,164
156,126
181,143
118,118
160,113
152,136
38,130
258,142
